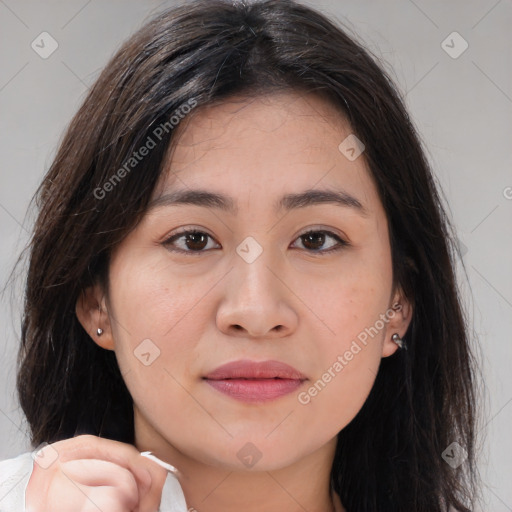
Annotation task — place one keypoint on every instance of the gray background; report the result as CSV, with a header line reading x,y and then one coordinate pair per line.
x,y
462,107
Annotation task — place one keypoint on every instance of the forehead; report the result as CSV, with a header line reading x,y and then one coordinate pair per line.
x,y
265,120
278,143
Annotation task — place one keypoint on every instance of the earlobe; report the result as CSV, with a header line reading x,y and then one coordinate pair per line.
x,y
389,347
398,341
91,312
397,327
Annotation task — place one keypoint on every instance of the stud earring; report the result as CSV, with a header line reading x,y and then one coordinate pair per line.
x,y
399,341
99,331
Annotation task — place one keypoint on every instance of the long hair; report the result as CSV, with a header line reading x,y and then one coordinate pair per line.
x,y
389,458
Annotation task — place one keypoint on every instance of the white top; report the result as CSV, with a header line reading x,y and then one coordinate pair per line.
x,y
15,474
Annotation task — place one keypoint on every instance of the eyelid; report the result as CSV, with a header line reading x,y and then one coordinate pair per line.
x,y
184,231
342,240
326,229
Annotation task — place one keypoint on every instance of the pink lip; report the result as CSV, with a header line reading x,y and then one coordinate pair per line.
x,y
251,381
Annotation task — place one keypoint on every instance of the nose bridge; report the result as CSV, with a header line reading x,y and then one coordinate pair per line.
x,y
255,300
253,264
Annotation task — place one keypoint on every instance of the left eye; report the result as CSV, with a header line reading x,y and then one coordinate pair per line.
x,y
317,238
195,241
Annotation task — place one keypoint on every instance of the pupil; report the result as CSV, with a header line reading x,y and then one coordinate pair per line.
x,y
318,236
195,244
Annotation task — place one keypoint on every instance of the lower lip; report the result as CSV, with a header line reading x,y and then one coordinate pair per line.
x,y
255,390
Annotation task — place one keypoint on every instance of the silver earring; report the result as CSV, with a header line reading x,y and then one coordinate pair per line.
x,y
399,341
99,331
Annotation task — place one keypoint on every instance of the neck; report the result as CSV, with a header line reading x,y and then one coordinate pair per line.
x,y
302,485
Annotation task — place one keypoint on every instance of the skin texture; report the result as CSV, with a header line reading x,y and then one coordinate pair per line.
x,y
204,309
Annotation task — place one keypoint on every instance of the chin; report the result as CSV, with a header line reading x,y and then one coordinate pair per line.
x,y
256,453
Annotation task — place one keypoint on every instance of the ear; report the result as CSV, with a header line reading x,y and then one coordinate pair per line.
x,y
399,315
91,311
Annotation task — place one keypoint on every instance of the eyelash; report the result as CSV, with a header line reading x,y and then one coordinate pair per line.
x,y
341,242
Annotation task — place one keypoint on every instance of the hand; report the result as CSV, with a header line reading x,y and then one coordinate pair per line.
x,y
93,474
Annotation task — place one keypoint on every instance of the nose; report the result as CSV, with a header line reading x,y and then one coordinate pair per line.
x,y
258,303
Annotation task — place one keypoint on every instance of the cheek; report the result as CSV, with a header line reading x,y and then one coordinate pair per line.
x,y
150,296
156,330
348,362
152,309
354,312
351,299
334,399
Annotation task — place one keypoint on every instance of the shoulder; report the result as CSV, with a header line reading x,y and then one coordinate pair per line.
x,y
14,476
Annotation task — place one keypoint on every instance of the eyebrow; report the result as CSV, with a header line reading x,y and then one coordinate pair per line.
x,y
207,199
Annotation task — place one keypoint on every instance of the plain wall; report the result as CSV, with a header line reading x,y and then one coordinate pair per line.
x,y
461,106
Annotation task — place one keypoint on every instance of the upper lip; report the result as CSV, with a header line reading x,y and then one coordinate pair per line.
x,y
247,369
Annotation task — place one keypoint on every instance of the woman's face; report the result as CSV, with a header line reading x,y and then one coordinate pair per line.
x,y
251,285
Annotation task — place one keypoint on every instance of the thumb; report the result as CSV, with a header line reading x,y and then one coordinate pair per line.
x,y
150,500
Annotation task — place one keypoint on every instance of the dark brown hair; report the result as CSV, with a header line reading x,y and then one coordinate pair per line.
x,y
389,458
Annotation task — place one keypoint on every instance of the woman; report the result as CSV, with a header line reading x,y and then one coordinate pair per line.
x,y
241,264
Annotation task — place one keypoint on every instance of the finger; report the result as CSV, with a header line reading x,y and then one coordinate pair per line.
x,y
122,454
149,474
150,501
101,499
96,473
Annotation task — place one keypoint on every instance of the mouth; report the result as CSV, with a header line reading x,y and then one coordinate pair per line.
x,y
251,381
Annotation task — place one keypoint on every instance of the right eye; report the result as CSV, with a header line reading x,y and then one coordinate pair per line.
x,y
190,241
